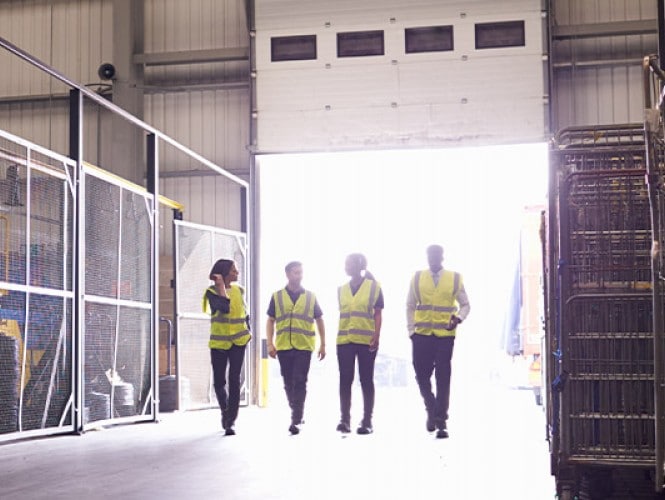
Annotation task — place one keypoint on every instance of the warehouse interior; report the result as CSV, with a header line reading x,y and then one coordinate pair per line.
x,y
141,140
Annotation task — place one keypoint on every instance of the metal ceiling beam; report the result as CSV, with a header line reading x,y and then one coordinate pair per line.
x,y
175,174
148,88
619,28
25,99
165,88
597,63
193,56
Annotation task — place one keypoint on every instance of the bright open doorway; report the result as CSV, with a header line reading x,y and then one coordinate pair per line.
x,y
390,205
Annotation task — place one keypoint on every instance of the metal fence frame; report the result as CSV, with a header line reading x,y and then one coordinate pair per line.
x,y
182,314
78,96
28,288
149,407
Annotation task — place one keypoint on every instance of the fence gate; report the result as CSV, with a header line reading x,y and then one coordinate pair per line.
x,y
117,362
37,196
197,247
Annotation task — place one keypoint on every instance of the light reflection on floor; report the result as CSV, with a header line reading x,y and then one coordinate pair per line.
x,y
496,450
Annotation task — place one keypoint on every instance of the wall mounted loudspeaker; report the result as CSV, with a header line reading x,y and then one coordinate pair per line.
x,y
106,71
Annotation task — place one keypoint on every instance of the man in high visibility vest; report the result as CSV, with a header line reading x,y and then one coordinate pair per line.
x,y
436,304
293,311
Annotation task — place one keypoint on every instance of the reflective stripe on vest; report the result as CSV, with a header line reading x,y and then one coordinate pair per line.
x,y
435,304
294,322
356,316
229,329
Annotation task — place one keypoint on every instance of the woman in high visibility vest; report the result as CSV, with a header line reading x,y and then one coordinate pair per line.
x,y
229,335
360,306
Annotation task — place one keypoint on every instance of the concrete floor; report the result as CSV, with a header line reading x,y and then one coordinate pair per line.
x,y
496,450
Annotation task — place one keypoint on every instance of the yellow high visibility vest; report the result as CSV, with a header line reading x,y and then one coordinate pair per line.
x,y
435,304
229,329
356,312
295,322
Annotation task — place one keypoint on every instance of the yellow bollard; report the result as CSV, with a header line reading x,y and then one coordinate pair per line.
x,y
263,389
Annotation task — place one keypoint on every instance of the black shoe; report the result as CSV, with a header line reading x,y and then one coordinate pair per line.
x,y
293,429
364,429
430,424
230,432
343,427
441,434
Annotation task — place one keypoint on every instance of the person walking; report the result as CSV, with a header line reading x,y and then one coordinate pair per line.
x,y
436,304
229,335
360,307
293,312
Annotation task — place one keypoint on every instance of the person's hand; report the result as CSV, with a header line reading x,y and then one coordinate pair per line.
x,y
374,343
220,285
272,351
322,352
452,324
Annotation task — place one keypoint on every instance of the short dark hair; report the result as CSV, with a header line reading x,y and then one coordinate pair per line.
x,y
434,248
292,264
360,259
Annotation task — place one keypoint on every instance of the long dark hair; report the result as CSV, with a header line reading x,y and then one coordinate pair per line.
x,y
222,266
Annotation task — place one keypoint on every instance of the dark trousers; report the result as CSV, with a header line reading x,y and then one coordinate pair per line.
x,y
294,366
346,357
433,354
229,404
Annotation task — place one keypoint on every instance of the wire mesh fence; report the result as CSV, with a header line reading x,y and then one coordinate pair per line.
x,y
36,251
117,341
197,249
38,358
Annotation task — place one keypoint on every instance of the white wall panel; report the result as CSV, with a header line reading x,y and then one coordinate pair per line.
x,y
272,15
465,96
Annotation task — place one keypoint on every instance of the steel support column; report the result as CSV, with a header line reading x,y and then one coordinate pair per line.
x,y
76,153
661,32
152,166
252,211
124,155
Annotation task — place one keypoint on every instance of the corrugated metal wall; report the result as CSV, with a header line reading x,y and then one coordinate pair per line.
x,y
204,106
73,37
597,78
459,97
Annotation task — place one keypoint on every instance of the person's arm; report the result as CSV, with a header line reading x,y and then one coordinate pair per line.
x,y
463,302
411,309
378,308
270,333
322,336
463,309
378,318
216,303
